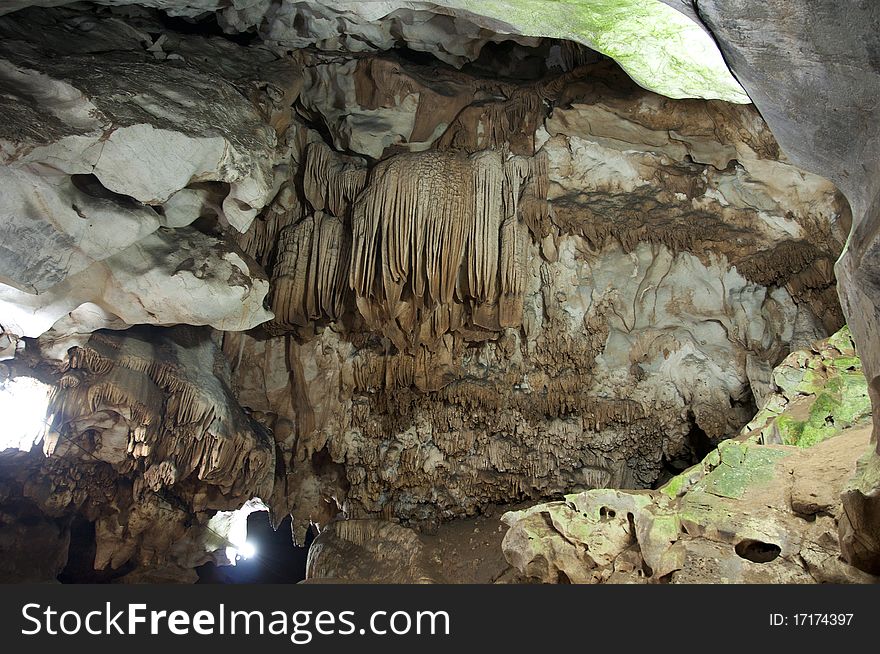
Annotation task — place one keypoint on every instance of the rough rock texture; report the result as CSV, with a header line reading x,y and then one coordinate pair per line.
x,y
823,111
741,502
367,551
813,395
464,551
749,513
107,160
661,48
562,316
858,531
514,277
147,442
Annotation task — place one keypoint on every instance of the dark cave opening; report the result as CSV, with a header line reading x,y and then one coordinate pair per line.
x,y
80,567
276,560
699,443
92,186
417,57
205,25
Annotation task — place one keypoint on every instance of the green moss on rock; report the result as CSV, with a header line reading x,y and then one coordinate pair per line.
x,y
742,465
660,48
818,394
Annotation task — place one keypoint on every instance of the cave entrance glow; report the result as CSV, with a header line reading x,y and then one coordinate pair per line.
x,y
228,530
23,405
266,555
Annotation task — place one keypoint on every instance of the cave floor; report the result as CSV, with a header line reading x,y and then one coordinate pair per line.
x,y
468,550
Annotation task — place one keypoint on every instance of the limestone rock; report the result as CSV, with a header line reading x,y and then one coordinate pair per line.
x,y
131,116
662,48
147,442
815,395
527,323
170,276
858,529
97,148
818,134
731,522
749,513
476,263
367,551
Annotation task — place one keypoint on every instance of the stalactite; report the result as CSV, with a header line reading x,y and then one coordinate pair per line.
x,y
409,232
439,230
332,181
514,252
309,279
482,250
123,387
260,238
534,208
509,122
180,417
517,170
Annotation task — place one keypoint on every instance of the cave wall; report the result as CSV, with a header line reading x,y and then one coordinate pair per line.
x,y
615,337
823,111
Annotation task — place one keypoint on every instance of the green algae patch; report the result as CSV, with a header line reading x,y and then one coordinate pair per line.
x,y
867,476
742,465
659,47
664,528
674,486
819,393
684,481
842,341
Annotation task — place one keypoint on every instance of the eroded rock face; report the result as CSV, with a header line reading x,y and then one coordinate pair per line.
x,y
469,326
367,551
107,160
749,513
147,442
819,134
460,287
813,394
738,519
657,43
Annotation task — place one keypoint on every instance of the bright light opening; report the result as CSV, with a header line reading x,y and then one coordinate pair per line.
x,y
227,531
23,405
247,550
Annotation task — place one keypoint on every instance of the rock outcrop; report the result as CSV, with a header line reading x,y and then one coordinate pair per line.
x,y
367,551
107,162
759,39
383,265
753,511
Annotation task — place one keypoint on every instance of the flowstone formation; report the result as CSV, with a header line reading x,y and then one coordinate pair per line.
x,y
377,263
